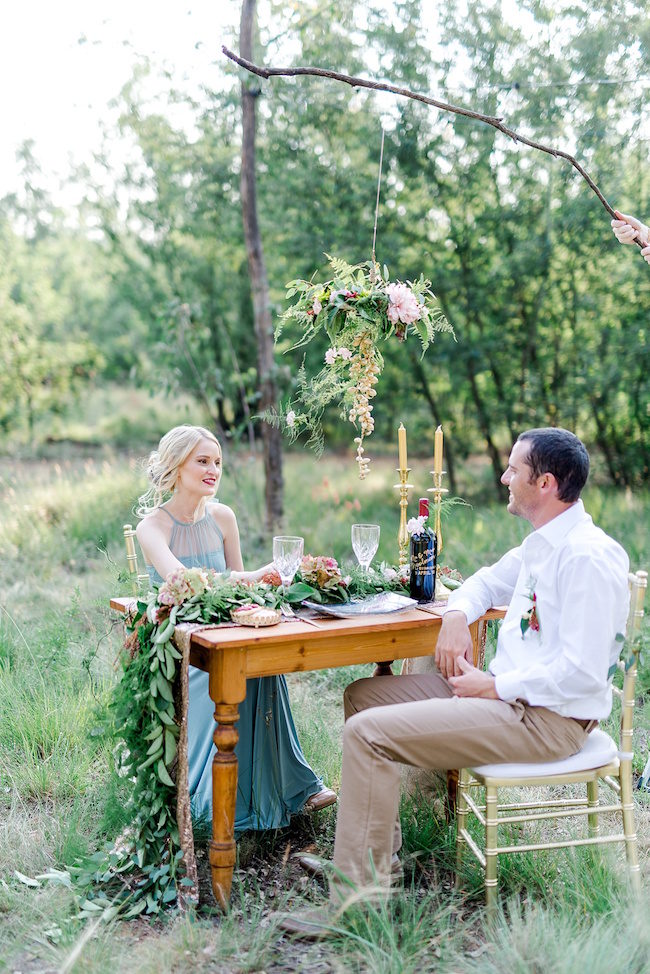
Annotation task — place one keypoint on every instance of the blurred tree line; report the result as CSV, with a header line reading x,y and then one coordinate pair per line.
x,y
150,285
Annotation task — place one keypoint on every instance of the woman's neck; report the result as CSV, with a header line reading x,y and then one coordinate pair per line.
x,y
186,507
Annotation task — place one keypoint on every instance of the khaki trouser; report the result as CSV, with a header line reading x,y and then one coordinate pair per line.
x,y
415,720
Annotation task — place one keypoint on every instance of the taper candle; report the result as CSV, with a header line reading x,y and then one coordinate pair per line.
x,y
437,451
401,443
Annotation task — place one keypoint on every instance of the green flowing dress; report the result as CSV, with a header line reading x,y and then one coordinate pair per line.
x,y
274,778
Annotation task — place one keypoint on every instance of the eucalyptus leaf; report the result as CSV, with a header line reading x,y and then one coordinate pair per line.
x,y
164,687
170,747
163,774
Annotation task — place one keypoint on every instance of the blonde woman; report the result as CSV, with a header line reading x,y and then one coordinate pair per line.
x,y
183,525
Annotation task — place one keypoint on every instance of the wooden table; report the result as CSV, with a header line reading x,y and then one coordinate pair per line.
x,y
233,655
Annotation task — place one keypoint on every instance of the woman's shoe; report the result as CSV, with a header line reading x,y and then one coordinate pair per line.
x,y
321,799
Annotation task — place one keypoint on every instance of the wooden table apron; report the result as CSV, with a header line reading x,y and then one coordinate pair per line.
x,y
233,655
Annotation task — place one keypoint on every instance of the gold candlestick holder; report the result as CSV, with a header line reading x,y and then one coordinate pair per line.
x,y
438,490
402,536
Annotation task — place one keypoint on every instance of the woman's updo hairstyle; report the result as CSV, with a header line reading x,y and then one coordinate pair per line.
x,y
163,464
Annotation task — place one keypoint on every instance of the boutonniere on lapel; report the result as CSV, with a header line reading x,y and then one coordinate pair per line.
x,y
530,619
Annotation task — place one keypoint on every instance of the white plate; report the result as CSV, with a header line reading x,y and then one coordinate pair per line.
x,y
372,605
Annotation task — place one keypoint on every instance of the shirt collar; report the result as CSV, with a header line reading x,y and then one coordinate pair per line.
x,y
556,530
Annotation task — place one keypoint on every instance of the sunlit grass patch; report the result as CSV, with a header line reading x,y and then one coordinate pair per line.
x,y
46,745
536,937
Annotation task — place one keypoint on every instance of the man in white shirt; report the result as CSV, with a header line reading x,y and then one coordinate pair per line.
x,y
546,688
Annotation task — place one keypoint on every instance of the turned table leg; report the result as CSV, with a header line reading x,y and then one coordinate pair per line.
x,y
227,690
383,669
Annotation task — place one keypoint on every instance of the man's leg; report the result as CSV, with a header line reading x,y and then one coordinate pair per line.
x,y
379,691
415,720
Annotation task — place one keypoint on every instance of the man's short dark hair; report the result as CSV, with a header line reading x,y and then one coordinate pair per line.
x,y
557,451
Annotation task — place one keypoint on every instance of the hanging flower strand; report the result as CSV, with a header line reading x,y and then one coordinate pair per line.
x,y
359,308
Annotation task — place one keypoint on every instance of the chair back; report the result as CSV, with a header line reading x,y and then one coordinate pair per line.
x,y
628,661
138,580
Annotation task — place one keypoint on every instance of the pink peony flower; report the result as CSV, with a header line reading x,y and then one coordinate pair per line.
x,y
403,304
330,356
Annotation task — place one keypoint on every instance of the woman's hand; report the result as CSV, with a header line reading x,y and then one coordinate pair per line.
x,y
627,230
255,576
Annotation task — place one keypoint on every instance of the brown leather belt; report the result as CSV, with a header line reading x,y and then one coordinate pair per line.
x,y
588,725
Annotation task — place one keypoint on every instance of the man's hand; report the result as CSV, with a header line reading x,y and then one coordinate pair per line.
x,y
472,682
454,639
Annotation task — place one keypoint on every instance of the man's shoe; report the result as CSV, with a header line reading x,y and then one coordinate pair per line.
x,y
321,799
312,924
316,867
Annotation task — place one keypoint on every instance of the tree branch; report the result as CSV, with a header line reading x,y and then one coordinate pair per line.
x,y
493,121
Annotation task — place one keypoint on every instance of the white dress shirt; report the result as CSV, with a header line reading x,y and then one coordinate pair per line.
x,y
579,577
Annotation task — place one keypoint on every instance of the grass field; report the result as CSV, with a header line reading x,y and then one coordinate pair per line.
x,y
60,558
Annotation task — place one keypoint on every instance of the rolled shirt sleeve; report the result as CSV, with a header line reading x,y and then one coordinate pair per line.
x,y
488,586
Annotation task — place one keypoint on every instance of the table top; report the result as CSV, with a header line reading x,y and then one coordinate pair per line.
x,y
295,629
296,645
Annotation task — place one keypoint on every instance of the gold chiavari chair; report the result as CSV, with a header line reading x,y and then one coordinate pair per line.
x,y
600,760
139,581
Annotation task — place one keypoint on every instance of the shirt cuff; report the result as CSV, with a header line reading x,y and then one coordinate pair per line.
x,y
508,686
457,603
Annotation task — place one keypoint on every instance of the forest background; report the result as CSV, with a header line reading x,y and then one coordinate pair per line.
x,y
131,311
145,285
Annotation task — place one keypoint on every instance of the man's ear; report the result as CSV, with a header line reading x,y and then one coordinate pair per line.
x,y
548,483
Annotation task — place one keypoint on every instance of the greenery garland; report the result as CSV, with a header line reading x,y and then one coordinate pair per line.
x,y
142,871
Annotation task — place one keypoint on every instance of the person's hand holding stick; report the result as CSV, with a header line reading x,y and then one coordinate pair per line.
x,y
629,230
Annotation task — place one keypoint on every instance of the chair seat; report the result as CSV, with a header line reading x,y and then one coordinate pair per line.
x,y
599,749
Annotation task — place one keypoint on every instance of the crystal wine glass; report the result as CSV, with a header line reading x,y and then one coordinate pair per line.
x,y
365,541
287,555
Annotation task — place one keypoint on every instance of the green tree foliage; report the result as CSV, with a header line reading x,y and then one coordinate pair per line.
x,y
45,355
547,308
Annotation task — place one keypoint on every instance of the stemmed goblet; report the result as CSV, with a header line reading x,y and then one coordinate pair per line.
x,y
365,541
287,555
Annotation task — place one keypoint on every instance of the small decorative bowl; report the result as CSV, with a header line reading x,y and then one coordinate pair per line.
x,y
255,615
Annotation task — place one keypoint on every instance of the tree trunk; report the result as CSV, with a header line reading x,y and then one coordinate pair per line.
x,y
271,437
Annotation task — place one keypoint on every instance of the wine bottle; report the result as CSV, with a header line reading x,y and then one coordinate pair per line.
x,y
424,551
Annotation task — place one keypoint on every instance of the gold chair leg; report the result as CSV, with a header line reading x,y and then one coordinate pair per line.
x,y
629,827
592,802
461,821
490,847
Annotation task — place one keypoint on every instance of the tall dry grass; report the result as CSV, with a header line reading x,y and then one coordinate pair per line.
x,y
61,556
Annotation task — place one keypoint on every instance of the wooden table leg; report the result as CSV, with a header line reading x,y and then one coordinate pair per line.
x,y
384,669
478,632
227,690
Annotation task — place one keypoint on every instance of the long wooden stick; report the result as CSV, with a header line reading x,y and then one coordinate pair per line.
x,y
496,123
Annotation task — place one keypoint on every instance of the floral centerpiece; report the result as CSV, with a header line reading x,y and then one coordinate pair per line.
x,y
359,309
